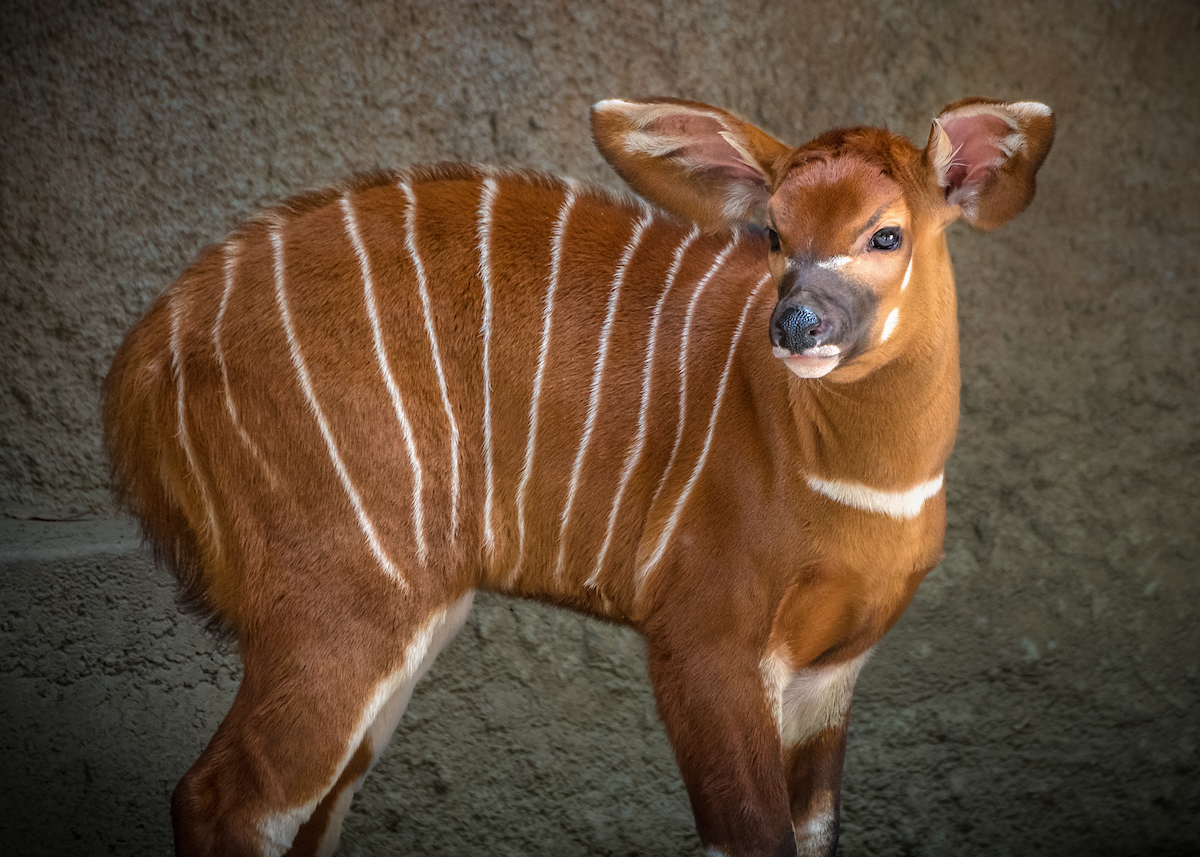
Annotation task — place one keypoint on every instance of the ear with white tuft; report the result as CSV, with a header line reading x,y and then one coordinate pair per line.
x,y
985,155
693,160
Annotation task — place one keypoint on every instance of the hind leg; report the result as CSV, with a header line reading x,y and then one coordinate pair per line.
x,y
315,706
319,835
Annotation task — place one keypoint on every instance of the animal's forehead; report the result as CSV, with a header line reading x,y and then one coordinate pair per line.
x,y
833,192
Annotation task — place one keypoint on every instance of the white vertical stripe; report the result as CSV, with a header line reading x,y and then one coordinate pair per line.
x,y
487,204
664,537
389,378
683,347
285,315
410,242
185,440
558,235
639,442
614,294
230,265
907,272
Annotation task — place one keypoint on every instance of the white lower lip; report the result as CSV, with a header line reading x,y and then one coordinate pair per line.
x,y
819,351
810,363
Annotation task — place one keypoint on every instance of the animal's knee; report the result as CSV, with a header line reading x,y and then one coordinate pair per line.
x,y
206,822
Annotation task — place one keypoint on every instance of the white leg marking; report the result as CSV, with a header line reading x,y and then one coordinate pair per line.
x,y
230,270
683,347
635,239
889,324
901,505
364,522
664,537
410,242
639,442
809,700
776,672
185,440
907,273
380,717
558,236
279,829
389,378
815,836
487,203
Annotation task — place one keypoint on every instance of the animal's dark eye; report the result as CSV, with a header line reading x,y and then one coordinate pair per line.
x,y
773,237
887,238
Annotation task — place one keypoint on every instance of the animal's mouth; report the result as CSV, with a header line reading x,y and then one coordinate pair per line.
x,y
811,362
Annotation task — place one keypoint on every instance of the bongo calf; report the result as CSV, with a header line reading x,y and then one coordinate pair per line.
x,y
722,421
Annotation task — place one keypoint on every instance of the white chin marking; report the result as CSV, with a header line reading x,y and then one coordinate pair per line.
x,y
813,363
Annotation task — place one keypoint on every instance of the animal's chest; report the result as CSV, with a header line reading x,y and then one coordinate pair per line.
x,y
856,571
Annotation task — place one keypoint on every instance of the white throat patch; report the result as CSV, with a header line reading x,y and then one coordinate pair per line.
x,y
901,505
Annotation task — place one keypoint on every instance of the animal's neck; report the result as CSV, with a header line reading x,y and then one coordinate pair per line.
x,y
893,429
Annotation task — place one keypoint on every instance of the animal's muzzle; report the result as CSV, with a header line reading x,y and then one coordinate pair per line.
x,y
795,328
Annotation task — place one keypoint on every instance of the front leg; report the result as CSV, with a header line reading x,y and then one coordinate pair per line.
x,y
713,703
814,777
814,712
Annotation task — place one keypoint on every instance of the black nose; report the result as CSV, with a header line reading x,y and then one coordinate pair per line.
x,y
796,327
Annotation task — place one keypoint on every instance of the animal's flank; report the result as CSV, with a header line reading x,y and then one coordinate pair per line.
x,y
634,456
697,291
455,453
558,236
596,386
385,368
305,381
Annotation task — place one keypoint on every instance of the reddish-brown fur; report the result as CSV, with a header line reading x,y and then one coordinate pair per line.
x,y
721,553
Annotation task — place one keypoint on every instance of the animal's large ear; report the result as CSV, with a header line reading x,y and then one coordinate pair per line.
x,y
986,155
692,159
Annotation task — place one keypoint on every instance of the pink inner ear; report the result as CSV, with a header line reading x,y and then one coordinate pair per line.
x,y
706,148
976,140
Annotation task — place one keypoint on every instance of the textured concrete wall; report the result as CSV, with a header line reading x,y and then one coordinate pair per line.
x,y
1039,697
